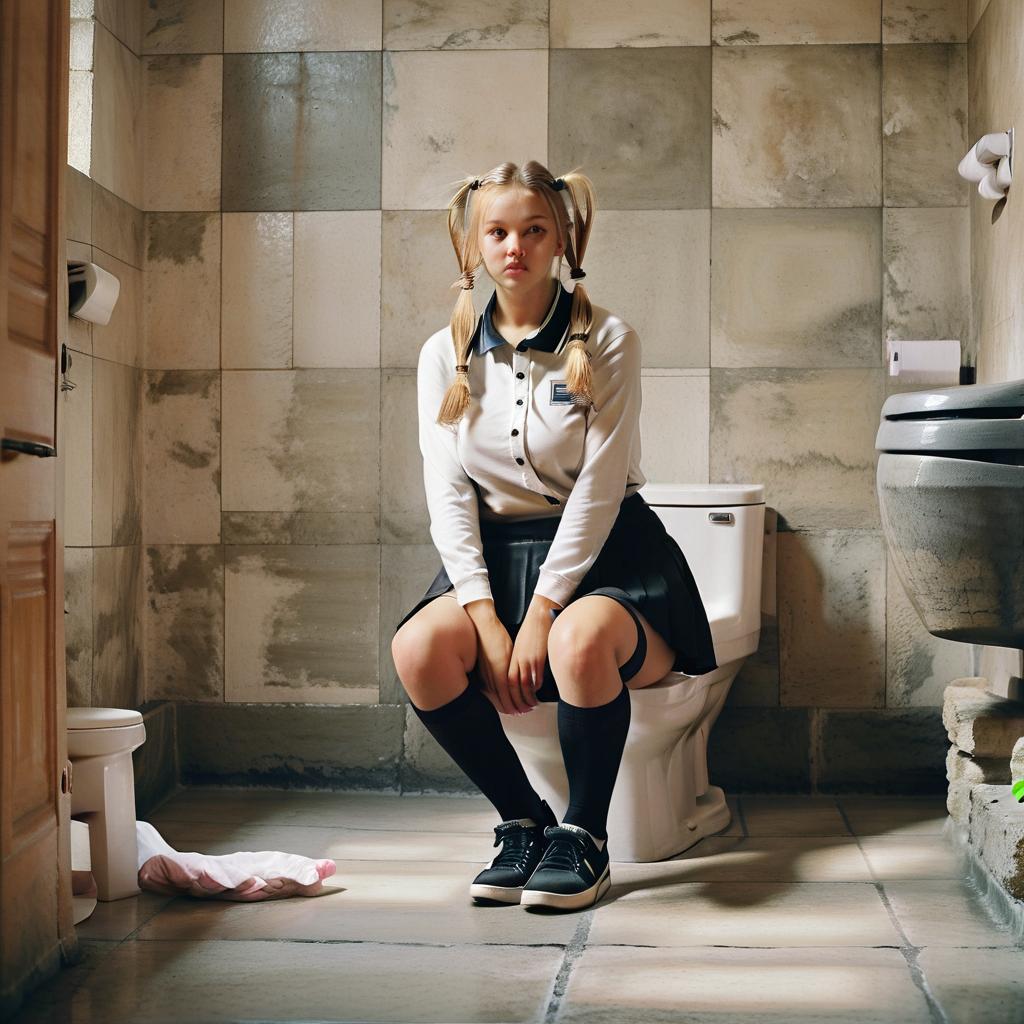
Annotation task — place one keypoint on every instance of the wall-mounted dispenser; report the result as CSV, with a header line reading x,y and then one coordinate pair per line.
x,y
989,162
92,291
925,362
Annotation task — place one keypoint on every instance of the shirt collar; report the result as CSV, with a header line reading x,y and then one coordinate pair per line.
x,y
545,338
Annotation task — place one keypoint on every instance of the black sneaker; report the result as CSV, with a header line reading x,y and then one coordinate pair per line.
x,y
523,845
573,873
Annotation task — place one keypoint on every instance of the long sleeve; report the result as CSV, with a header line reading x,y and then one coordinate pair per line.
x,y
451,496
593,504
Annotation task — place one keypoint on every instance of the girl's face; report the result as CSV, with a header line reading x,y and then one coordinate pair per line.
x,y
519,240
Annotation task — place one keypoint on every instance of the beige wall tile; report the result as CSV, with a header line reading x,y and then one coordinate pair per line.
x,y
646,23
406,571
918,666
652,268
616,986
796,288
301,440
301,623
674,426
975,9
118,596
746,22
76,452
117,227
927,259
78,206
184,622
300,527
1001,357
182,291
183,93
117,119
418,268
403,507
924,21
807,435
116,454
464,25
438,123
832,619
795,126
637,124
121,340
256,290
265,26
182,477
924,124
124,19
337,288
183,26
78,625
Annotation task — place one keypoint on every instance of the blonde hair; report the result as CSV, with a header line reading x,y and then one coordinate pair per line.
x,y
574,232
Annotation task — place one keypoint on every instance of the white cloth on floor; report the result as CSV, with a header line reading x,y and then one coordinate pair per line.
x,y
244,875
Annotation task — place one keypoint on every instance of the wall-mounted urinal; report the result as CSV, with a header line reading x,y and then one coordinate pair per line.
x,y
951,494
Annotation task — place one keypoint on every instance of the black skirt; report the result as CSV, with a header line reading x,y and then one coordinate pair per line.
x,y
640,565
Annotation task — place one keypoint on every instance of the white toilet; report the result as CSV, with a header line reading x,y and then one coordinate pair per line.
x,y
100,745
662,803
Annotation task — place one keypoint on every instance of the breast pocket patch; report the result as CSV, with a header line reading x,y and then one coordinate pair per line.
x,y
561,395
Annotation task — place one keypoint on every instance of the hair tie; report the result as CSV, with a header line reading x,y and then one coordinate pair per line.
x,y
558,184
476,183
467,279
462,367
577,272
579,336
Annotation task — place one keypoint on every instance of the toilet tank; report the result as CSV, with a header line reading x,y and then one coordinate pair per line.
x,y
720,530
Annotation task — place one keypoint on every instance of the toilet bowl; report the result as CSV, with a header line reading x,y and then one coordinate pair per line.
x,y
100,745
950,483
663,801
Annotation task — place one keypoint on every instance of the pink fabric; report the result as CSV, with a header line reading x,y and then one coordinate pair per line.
x,y
242,876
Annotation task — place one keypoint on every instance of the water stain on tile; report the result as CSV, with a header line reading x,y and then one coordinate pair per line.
x,y
182,567
745,36
173,71
176,236
172,383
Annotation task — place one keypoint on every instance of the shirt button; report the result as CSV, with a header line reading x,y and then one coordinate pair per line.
x,y
515,433
519,401
519,460
520,375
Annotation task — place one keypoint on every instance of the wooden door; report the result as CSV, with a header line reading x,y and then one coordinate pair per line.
x,y
35,870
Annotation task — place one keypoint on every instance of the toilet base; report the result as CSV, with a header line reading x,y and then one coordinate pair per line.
x,y
662,802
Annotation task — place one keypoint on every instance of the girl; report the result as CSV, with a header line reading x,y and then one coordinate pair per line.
x,y
558,582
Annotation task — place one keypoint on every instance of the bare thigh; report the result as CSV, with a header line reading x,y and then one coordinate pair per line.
x,y
434,651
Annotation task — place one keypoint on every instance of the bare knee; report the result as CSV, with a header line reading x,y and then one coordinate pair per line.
x,y
432,659
577,647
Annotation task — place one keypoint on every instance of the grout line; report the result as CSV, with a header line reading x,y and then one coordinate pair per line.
x,y
573,951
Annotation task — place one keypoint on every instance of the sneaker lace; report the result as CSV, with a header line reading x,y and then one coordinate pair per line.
x,y
517,840
565,850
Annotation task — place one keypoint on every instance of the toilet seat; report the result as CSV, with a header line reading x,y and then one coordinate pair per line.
x,y
102,718
98,732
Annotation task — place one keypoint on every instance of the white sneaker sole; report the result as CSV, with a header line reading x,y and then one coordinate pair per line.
x,y
568,901
494,892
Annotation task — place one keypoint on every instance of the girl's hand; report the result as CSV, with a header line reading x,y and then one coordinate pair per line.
x,y
494,648
526,666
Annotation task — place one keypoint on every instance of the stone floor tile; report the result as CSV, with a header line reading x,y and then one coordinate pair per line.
x,y
117,919
368,902
349,810
895,815
757,859
336,843
150,982
792,816
945,912
902,857
976,986
703,985
742,914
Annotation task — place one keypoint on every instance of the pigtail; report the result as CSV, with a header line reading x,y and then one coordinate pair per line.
x,y
579,379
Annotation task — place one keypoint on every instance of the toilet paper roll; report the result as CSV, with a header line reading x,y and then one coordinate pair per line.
x,y
926,362
988,187
989,148
1003,176
92,291
971,167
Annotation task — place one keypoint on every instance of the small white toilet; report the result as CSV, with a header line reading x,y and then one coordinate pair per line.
x,y
100,745
662,803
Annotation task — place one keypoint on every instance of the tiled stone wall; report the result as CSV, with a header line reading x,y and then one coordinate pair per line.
x,y
996,90
777,195
102,416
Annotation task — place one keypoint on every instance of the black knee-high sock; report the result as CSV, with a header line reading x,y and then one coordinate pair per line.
x,y
469,730
592,740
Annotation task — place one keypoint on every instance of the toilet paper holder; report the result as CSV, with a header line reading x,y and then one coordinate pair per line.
x,y
92,291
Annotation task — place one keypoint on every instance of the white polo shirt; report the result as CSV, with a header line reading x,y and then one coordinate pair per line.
x,y
524,449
